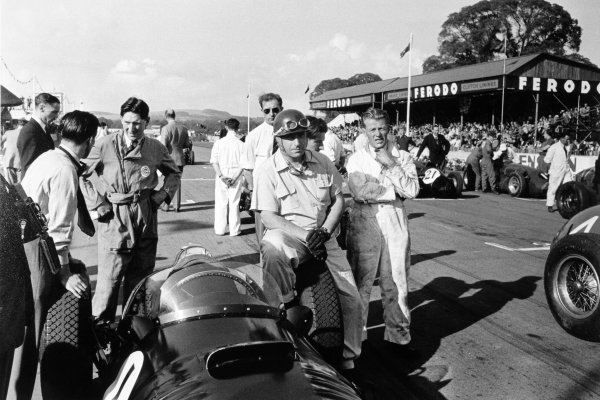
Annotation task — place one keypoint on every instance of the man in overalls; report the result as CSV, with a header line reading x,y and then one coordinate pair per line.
x,y
126,201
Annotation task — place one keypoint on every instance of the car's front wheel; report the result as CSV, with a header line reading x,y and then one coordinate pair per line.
x,y
517,185
571,281
573,197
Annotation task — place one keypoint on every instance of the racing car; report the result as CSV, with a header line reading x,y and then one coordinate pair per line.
x,y
515,179
189,156
208,329
577,195
572,276
433,182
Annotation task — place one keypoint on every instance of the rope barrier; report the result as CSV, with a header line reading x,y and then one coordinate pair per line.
x,y
14,77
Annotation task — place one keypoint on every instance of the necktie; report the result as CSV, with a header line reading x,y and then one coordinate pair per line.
x,y
132,146
84,220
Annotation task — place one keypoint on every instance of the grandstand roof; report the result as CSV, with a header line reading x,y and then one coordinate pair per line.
x,y
482,75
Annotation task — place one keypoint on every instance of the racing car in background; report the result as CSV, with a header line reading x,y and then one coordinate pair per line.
x,y
572,275
212,329
433,182
577,195
515,179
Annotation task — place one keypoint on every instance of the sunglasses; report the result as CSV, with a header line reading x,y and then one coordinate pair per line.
x,y
275,110
291,125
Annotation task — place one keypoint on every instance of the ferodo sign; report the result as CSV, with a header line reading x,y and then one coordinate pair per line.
x,y
550,85
441,90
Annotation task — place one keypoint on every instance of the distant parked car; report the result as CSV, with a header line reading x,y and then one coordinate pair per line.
x,y
433,182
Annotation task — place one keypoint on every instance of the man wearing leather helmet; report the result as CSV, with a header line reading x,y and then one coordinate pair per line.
x,y
298,193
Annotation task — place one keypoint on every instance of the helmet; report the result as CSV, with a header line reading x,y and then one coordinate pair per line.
x,y
289,121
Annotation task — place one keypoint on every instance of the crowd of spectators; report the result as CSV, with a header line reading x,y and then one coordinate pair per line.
x,y
521,136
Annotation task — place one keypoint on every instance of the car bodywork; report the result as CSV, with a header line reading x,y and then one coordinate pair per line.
x,y
577,195
572,275
515,179
433,182
206,329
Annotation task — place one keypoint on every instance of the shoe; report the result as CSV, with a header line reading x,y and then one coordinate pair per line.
x,y
551,209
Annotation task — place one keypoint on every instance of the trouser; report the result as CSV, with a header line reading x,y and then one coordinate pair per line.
x,y
282,253
476,168
25,361
12,175
177,195
6,359
554,181
227,201
488,174
259,228
379,243
131,266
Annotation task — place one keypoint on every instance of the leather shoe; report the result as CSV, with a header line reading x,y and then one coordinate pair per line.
x,y
402,350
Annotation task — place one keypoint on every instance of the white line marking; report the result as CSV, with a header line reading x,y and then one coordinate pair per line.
x,y
189,202
526,199
375,326
198,179
543,248
432,198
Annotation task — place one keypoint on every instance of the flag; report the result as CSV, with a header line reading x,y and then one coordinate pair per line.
x,y
307,89
406,50
248,96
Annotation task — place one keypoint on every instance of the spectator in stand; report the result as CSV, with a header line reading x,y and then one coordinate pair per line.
x,y
472,162
438,147
560,168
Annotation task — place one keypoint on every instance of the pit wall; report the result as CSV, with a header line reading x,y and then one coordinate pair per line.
x,y
531,159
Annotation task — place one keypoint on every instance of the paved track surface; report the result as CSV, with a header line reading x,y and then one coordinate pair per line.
x,y
480,321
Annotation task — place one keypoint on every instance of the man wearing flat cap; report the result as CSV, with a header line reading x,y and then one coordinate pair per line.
x,y
298,194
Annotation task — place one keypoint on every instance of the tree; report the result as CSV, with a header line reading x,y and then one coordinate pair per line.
x,y
337,83
476,33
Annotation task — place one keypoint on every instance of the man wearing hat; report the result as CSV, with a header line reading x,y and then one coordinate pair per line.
x,y
560,168
298,194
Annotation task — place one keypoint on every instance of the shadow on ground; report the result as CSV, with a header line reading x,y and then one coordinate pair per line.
x,y
418,257
440,304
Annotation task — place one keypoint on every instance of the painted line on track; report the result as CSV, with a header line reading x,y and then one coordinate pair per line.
x,y
432,198
526,199
541,248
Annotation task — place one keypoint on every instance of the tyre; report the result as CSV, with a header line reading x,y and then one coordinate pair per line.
x,y
457,180
192,157
572,197
468,178
66,348
571,281
517,185
318,292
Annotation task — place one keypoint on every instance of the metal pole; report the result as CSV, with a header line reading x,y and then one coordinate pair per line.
x,y
410,44
535,127
397,117
503,86
577,115
248,105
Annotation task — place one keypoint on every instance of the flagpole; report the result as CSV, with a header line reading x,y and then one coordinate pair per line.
x,y
503,86
408,97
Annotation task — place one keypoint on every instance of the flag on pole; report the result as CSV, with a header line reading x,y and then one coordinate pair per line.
x,y
406,50
248,96
307,89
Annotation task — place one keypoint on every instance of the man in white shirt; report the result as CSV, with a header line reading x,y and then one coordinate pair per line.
x,y
52,181
332,147
225,159
12,162
259,145
560,168
378,239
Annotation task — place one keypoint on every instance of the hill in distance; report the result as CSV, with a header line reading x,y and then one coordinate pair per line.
x,y
209,118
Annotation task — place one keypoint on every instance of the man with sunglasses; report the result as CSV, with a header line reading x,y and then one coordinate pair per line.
x,y
298,194
259,144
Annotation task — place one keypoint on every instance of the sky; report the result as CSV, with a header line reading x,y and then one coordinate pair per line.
x,y
190,54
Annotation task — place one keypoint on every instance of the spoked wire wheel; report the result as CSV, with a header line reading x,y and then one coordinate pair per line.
x,y
577,286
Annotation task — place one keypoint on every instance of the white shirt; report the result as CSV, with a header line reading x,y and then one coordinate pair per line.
x,y
370,182
39,121
332,147
227,152
557,158
51,181
258,146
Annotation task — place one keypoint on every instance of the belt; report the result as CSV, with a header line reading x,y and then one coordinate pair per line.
x,y
379,202
127,198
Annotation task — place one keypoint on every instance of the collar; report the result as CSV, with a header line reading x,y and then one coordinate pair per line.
x,y
127,141
39,121
232,134
79,166
281,164
70,152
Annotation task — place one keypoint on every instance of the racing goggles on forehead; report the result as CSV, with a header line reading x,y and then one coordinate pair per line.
x,y
275,110
292,125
